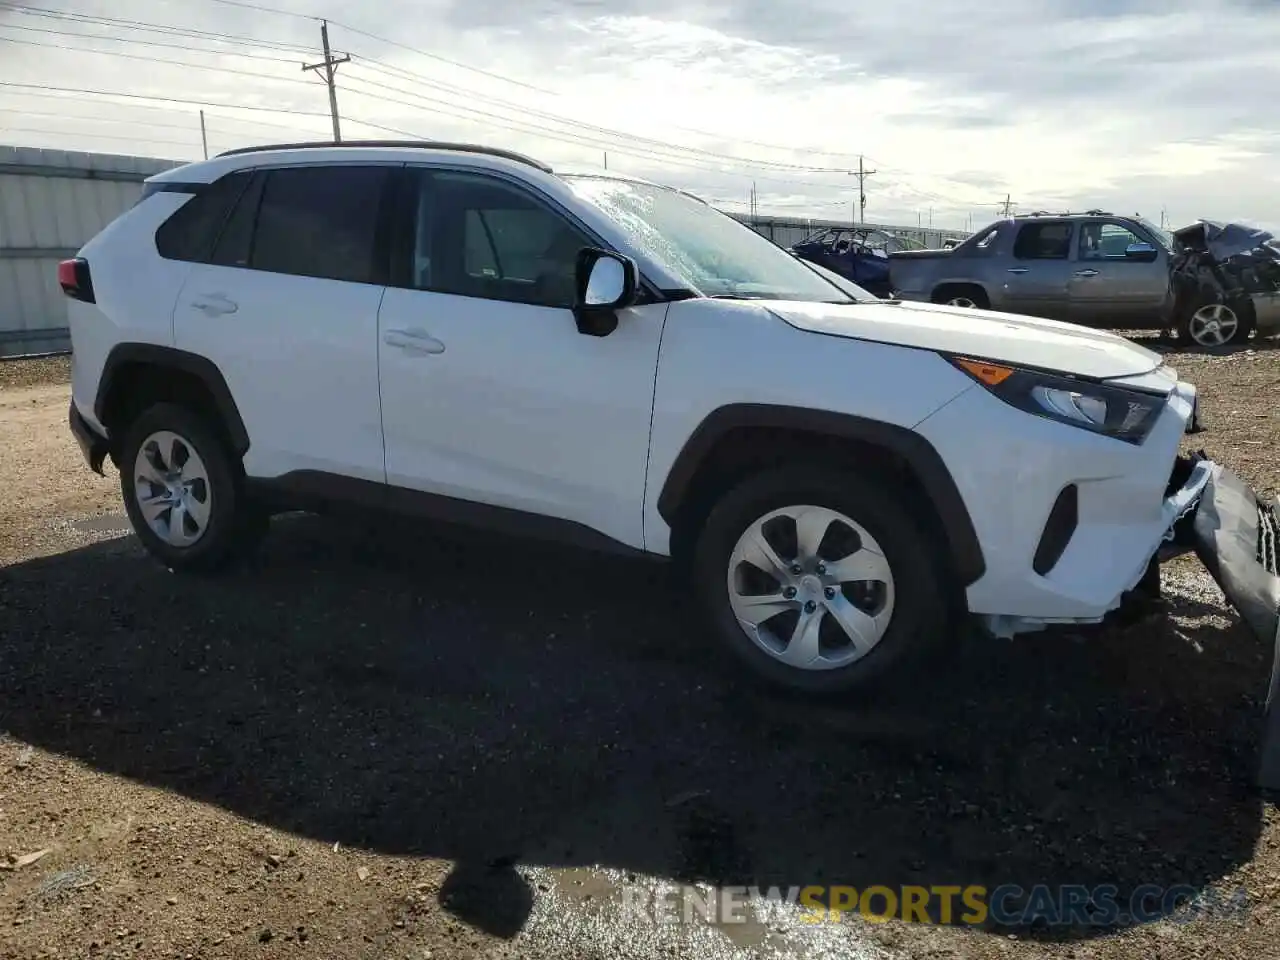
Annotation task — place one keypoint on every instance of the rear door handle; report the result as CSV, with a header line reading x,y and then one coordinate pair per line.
x,y
214,304
1018,269
413,341
1085,273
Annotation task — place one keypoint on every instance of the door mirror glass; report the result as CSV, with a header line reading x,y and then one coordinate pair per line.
x,y
1140,251
606,283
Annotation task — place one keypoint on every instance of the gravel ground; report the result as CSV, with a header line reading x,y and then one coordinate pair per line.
x,y
389,742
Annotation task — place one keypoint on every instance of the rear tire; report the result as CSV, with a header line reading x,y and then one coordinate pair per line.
x,y
860,591
184,493
962,295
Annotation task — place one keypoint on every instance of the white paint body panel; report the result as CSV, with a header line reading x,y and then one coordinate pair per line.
x,y
300,356
520,410
721,352
1010,467
135,289
1019,340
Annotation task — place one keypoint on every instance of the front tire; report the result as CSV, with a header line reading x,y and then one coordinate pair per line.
x,y
820,581
183,493
1212,324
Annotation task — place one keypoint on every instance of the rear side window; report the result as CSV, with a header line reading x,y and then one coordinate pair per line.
x,y
193,229
321,222
1044,241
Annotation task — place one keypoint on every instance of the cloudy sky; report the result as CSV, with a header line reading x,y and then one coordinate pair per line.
x,y
1128,105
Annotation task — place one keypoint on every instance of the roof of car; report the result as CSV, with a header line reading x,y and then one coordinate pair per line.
x,y
1048,214
418,144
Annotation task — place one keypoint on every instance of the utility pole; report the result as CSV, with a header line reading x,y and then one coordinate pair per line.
x,y
606,159
1007,205
862,175
330,68
204,137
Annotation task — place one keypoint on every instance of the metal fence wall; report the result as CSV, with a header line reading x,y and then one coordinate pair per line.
x,y
51,203
786,231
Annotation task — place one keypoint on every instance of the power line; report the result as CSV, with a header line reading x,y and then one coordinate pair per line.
x,y
577,140
262,8
603,131
84,91
145,43
169,110
175,63
654,149
150,27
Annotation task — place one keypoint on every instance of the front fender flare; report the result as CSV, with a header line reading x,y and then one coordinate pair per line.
x,y
914,450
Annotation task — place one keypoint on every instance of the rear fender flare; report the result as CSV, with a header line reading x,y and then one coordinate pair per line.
x,y
202,368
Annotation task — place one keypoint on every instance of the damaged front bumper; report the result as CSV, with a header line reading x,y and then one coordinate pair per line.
x,y
1189,480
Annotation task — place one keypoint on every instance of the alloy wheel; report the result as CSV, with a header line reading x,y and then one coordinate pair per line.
x,y
172,490
962,302
1213,325
811,587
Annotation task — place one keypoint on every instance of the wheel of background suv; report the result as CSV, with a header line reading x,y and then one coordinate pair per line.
x,y
181,486
956,295
1214,325
819,581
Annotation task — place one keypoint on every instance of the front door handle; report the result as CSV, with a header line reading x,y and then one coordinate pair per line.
x,y
1018,269
214,304
1085,273
413,341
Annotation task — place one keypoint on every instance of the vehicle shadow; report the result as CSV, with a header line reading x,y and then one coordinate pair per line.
x,y
500,703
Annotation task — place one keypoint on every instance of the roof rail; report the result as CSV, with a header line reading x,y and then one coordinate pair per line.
x,y
420,144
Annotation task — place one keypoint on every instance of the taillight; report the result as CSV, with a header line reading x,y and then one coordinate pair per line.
x,y
73,277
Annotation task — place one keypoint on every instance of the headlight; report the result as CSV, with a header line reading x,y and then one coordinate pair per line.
x,y
1113,411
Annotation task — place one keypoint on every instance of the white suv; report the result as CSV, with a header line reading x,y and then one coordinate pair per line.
x,y
460,332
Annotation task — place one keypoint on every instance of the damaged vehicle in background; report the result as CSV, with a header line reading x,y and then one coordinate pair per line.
x,y
1232,272
859,254
1210,284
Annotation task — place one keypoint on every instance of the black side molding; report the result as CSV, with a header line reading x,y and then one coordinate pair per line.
x,y
317,489
205,370
913,449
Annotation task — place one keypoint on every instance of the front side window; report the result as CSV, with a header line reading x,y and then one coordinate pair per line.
x,y
479,236
320,222
713,253
1106,241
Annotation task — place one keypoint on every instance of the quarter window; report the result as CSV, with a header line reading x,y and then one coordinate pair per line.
x,y
190,233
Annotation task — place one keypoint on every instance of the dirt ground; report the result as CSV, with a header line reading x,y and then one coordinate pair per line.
x,y
388,741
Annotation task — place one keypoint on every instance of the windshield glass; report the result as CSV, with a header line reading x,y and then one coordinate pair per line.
x,y
714,254
1162,237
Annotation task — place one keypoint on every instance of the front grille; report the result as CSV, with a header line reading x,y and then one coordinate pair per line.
x,y
1058,530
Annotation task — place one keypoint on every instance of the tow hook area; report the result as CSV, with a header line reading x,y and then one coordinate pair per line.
x,y
1234,534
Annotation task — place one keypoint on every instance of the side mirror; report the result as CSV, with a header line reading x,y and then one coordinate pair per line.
x,y
1140,251
606,283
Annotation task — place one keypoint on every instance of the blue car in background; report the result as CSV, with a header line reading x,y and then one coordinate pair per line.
x,y
860,254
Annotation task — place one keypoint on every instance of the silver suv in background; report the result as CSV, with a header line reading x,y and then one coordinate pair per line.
x,y
1210,284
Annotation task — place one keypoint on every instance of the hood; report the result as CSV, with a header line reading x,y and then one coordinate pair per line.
x,y
984,334
1222,240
